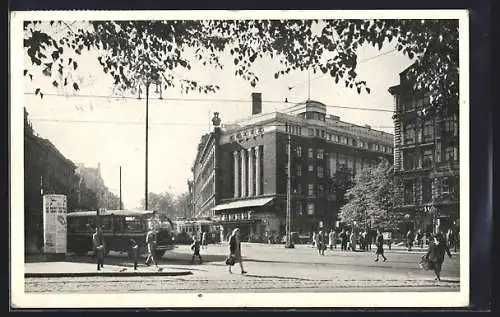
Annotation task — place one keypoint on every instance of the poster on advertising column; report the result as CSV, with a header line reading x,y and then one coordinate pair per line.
x,y
54,223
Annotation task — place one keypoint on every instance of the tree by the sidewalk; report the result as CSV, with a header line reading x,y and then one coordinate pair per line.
x,y
169,205
370,201
135,53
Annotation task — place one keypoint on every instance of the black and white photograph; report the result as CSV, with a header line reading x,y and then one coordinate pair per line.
x,y
239,159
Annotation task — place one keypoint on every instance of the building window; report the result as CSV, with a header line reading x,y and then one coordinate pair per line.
x,y
329,136
323,134
298,208
451,125
299,151
335,138
354,142
310,153
343,140
409,133
408,192
310,132
320,154
428,131
321,189
298,189
310,208
317,132
450,187
321,171
310,190
299,170
311,168
426,190
409,105
361,143
449,154
427,159
409,160
350,163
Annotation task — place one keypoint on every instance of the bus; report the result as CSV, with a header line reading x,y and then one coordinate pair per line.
x,y
186,228
118,227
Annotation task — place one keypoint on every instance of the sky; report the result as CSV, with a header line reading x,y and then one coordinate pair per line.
x,y
110,131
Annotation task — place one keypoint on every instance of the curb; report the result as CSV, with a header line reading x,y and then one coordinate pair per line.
x,y
105,274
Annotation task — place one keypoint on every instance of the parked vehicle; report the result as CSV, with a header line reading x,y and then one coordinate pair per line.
x,y
118,227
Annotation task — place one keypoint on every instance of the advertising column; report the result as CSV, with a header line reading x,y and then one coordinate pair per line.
x,y
54,224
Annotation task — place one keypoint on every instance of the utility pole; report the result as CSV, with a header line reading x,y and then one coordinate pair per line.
x,y
288,225
146,172
121,205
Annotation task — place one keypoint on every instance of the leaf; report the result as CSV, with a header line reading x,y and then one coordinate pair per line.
x,y
55,55
75,86
25,72
75,65
368,90
55,83
41,95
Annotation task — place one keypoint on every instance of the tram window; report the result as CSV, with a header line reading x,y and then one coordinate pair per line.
x,y
133,224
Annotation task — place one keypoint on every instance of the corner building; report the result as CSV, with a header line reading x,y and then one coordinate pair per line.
x,y
426,159
240,172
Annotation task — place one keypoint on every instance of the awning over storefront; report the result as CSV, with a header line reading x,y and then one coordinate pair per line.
x,y
257,202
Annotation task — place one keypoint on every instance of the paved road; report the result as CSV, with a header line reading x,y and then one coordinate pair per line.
x,y
270,268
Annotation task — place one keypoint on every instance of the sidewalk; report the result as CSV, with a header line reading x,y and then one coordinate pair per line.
x,y
394,248
74,269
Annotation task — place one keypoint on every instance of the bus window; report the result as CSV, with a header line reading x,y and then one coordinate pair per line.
x,y
118,224
133,224
106,223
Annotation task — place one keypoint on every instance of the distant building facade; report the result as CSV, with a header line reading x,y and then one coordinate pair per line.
x,y
48,171
240,171
426,159
92,178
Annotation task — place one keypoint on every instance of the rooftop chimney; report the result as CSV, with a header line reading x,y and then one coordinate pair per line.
x,y
256,103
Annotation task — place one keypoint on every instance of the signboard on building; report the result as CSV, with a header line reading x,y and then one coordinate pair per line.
x,y
54,223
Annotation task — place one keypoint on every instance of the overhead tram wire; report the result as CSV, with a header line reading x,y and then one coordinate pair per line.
x,y
176,123
207,100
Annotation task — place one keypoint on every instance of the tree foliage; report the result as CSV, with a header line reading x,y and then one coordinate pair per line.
x,y
370,201
169,205
134,53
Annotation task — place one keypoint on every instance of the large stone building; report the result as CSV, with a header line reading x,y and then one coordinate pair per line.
x,y
240,170
426,159
92,178
48,171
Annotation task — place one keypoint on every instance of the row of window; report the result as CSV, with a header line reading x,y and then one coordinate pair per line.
x,y
342,139
446,187
415,159
426,132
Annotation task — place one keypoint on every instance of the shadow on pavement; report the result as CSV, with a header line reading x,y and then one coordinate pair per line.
x,y
278,277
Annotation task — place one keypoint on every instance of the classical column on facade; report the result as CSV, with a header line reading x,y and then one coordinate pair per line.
x,y
236,164
243,173
250,172
257,171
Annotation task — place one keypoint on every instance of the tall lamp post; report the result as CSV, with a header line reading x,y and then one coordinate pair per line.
x,y
146,150
289,243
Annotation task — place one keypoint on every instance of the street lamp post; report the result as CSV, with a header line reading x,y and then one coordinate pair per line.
x,y
146,158
289,243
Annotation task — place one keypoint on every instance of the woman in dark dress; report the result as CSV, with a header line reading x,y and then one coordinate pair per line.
x,y
435,254
380,246
235,249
